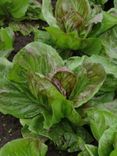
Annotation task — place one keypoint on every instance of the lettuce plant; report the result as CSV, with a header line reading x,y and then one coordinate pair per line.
x,y
79,25
41,87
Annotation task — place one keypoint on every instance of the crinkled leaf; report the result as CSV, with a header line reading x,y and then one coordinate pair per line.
x,y
107,140
24,147
6,41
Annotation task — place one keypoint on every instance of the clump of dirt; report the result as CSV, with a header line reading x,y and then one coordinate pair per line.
x,y
10,129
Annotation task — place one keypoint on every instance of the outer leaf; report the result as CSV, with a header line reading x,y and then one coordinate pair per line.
x,y
115,4
107,23
16,8
74,62
34,11
6,41
111,106
109,40
18,102
114,153
48,14
100,119
89,44
109,67
90,79
89,150
35,57
106,141
24,147
23,28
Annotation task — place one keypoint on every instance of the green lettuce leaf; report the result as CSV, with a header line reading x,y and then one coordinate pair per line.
x,y
89,150
6,41
71,41
110,68
34,11
24,147
16,8
64,40
106,141
109,40
25,28
114,153
35,57
115,4
90,78
47,13
100,119
107,23
109,105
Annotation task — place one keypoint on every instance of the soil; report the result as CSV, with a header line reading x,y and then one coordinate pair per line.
x,y
9,129
19,43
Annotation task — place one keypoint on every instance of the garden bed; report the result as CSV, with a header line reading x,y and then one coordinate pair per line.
x,y
81,125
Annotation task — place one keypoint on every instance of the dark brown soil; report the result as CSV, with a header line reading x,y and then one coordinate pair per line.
x,y
20,42
9,129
